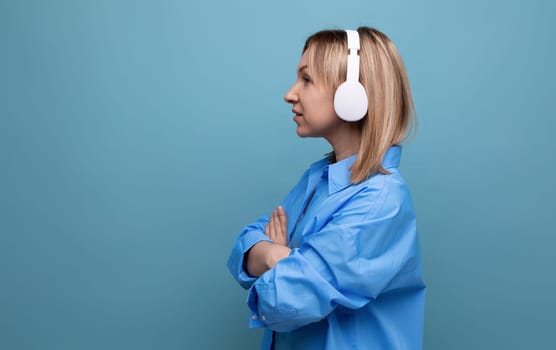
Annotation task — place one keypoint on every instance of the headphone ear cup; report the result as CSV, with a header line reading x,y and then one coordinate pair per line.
x,y
350,101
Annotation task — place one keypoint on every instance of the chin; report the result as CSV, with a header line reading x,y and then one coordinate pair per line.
x,y
302,133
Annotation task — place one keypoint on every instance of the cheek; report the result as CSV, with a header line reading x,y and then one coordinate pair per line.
x,y
318,107
325,110
326,103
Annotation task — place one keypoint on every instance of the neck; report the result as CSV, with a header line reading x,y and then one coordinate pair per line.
x,y
346,141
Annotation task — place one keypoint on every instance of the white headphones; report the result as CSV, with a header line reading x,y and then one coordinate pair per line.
x,y
350,99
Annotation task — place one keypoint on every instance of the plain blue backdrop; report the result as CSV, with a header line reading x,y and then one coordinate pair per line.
x,y
138,137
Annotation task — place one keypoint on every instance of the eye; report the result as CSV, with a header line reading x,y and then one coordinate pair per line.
x,y
306,79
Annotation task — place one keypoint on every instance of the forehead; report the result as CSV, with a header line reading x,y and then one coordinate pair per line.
x,y
304,62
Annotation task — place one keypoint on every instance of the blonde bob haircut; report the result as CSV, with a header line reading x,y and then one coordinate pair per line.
x,y
390,118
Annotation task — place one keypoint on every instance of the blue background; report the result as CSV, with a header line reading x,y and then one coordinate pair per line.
x,y
138,137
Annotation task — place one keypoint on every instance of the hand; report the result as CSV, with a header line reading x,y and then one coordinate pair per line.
x,y
277,228
264,255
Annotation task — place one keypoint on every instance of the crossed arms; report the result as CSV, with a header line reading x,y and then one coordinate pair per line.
x,y
264,255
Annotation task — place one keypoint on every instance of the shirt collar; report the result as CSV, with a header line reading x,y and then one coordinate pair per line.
x,y
392,157
339,173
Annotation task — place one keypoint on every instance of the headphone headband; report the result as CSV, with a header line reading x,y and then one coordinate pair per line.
x,y
353,55
353,39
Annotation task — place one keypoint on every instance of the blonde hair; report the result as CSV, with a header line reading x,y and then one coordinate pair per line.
x,y
390,117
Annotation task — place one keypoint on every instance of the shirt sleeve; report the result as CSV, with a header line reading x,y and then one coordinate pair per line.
x,y
253,234
365,250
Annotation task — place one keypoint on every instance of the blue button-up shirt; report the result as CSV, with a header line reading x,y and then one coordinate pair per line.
x,y
353,279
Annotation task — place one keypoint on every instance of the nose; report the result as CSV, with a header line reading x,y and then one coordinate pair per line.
x,y
291,95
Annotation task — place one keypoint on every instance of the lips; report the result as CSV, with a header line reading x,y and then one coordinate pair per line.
x,y
296,112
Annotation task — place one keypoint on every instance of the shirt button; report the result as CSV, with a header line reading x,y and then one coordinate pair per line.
x,y
255,317
263,317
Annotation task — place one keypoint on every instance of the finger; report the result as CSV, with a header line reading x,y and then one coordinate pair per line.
x,y
277,226
267,230
280,229
271,230
283,218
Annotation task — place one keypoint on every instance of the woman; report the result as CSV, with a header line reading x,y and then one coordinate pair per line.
x,y
337,264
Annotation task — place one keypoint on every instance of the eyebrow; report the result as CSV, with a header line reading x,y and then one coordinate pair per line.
x,y
300,69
